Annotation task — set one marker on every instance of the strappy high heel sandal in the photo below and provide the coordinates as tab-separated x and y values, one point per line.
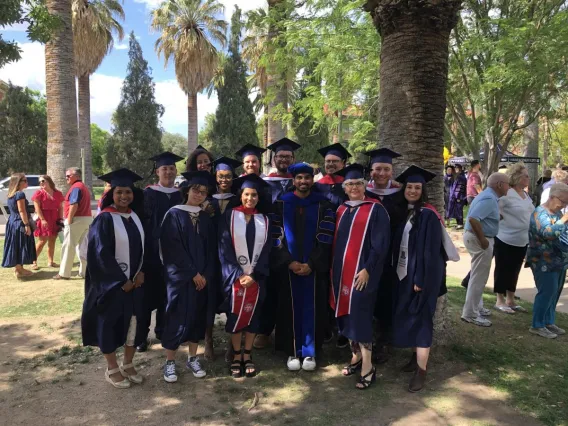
134	378
351	369
236	368
123	384
367	383
249	365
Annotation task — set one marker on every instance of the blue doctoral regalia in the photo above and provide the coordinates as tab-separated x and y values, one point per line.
231	271
186	251
156	205
414	311
358	324
306	228
107	309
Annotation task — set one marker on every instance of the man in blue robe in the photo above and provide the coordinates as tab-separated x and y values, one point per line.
158	199
302	255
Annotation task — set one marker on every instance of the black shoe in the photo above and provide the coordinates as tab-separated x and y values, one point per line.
342	342
328	336
418	380
143	347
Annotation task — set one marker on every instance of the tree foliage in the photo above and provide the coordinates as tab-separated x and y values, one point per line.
136	122
174	142
99	144
235	123
23	131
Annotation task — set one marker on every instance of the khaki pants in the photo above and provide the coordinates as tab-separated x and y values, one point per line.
72	236
480	267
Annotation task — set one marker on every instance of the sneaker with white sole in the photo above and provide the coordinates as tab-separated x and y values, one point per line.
484	312
480	321
293	364
556	330
170	374
309	364
543	332
195	366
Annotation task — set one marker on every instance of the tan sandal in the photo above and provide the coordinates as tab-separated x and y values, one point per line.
34	267
134	378
123	384
52	265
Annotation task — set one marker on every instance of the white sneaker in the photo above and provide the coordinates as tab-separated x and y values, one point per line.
309	364
195	366
556	330
293	363
170	374
484	312
480	321
543	332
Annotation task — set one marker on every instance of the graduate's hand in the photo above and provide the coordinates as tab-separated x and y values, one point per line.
295	267
246	281
361	279
417	289
199	281
305	270
139	279
128	286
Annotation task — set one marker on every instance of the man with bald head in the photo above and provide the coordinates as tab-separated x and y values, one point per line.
481	227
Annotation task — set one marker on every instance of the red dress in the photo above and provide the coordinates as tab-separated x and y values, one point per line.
49	205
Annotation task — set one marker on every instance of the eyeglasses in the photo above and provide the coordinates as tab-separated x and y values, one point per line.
284	157
354	184
198	192
332	161
68	176
221	177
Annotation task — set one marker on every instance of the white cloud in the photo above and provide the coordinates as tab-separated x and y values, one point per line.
105	91
121	46
245	5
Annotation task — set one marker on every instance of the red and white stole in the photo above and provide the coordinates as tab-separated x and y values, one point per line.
244	300
331	179
351	254
163	189
122	245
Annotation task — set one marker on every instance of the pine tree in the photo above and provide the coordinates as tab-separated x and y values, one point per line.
235	123
136	122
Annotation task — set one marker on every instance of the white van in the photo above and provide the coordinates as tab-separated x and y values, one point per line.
33	186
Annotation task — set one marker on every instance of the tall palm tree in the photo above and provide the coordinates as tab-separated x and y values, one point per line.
62	139
189	31
94	25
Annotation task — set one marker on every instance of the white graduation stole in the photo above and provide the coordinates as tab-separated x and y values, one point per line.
163	189
402	264
238	231
122	246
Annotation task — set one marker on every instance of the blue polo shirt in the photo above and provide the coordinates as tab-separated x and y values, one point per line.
485	209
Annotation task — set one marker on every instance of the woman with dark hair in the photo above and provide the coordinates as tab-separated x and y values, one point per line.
48	203
200	160
113	307
244	247
420	250
188	244
19	244
458	198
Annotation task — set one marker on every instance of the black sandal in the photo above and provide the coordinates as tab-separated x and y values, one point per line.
236	368
249	365
351	369
367	383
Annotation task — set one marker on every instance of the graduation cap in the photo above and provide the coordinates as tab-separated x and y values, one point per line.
250	149
250	181
353	171
201	147
166	159
415	174
121	177
226	163
336	149
284	144
296	169
382	155
199	178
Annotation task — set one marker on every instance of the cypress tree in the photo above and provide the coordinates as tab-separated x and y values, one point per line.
136	128
235	123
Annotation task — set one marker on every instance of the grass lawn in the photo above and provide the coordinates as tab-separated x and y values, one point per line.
528	372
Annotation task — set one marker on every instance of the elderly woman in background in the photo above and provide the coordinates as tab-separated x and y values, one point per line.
546	257
48	203
511	242
19	245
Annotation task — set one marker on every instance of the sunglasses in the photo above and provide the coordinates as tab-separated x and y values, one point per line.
67	176
23	180
41	181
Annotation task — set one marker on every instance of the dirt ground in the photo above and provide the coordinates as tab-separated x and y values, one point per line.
46	378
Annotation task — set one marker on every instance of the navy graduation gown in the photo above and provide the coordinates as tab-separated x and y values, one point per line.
186	251
358	324
334	193
278	186
107	310
156	205
414	311
306	236
231	271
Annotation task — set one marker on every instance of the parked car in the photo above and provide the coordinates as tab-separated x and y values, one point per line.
33	186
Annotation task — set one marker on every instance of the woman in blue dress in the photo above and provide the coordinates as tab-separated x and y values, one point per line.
113	306
420	252
244	248
19	244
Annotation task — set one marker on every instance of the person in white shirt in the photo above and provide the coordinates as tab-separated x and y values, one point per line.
558	176
511	242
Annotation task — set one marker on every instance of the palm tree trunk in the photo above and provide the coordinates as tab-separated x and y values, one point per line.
62	138
191	123
85	129
413	78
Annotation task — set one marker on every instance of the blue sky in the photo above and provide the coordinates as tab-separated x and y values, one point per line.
106	82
